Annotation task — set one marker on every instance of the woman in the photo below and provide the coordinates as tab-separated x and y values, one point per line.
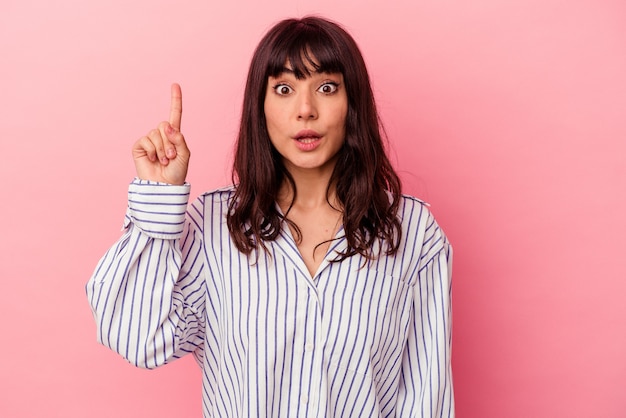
311	287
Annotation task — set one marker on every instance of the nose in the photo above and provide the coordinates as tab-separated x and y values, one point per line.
307	108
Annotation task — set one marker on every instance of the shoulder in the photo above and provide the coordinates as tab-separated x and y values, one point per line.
212	204
414	199
420	230
413	211
221	195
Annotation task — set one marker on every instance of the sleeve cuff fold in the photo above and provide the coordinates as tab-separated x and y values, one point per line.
157	209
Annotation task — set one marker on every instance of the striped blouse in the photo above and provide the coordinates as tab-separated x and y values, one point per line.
362	338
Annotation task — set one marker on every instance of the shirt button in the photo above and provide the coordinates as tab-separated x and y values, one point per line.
305	399
309	347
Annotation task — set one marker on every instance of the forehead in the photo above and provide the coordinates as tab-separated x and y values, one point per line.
305	60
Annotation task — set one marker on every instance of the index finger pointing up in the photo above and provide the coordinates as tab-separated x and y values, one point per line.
176	106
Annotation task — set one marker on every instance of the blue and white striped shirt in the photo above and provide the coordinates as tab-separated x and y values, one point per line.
362	338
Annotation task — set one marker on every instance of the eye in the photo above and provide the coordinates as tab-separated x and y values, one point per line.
282	89
328	88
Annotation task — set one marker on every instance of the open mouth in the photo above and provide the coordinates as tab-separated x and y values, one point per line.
308	139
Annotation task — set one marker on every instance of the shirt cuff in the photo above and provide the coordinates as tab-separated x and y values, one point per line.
157	209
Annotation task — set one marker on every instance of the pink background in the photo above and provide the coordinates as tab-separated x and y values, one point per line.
508	117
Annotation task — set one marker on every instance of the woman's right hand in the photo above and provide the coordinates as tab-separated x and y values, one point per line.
162	155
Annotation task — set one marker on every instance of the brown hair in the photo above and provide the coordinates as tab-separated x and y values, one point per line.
366	184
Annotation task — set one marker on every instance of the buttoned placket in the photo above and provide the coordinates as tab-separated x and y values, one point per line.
309	330
307	333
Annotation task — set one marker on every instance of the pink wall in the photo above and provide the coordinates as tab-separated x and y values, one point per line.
509	117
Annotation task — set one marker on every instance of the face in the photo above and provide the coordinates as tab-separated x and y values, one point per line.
306	119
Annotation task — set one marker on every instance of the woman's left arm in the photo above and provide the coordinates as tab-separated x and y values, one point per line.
426	377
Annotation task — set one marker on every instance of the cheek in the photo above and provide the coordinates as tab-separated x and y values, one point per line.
274	112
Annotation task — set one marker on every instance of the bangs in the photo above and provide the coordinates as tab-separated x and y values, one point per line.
306	49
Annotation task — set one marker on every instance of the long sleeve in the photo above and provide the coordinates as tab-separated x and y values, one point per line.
147	292
425	388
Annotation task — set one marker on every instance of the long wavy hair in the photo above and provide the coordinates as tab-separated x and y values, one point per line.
366	184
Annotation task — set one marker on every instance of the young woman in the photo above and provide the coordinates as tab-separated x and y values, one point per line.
311	287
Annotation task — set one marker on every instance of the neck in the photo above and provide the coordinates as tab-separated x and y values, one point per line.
313	190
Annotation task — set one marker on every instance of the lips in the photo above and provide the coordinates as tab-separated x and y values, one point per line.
307	136
307	140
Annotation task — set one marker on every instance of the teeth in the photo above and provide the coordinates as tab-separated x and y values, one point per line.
307	140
